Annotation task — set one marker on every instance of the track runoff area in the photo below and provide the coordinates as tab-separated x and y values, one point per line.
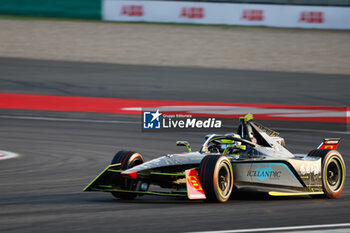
193	108
201	109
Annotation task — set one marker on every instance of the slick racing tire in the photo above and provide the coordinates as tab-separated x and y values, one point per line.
216	177
333	171
128	159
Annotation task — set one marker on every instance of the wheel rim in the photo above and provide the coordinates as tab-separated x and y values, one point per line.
135	163
334	174
224	180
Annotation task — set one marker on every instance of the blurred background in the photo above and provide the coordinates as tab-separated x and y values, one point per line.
223	46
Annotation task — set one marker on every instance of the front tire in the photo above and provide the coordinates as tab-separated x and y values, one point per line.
333	171
216	177
128	159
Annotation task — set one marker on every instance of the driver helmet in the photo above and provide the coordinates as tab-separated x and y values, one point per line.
228	142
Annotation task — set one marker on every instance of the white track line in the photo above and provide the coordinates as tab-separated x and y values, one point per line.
138	122
269	229
7	155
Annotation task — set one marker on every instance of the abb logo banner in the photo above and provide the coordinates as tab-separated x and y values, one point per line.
253	15
311	17
273	15
132	10
192	12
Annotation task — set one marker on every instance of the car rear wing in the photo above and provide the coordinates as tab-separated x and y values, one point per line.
329	143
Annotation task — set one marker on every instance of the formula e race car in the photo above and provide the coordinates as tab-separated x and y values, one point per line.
254	159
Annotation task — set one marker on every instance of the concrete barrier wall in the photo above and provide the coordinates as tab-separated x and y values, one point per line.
85	9
286	2
227	13
290	16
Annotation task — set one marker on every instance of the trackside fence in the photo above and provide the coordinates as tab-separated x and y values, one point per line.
323	17
196	12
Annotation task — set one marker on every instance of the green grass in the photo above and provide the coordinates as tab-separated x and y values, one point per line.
43	18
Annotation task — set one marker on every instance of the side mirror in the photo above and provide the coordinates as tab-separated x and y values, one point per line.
234	147
184	143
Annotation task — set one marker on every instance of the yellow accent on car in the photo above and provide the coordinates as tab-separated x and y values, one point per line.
227	141
167	174
105	186
241	147
142	192
184	143
281	194
247	118
112	170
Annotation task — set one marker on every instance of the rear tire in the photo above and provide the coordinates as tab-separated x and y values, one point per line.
333	171
128	159
216	177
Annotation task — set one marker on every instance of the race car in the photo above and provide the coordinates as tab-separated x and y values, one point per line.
253	159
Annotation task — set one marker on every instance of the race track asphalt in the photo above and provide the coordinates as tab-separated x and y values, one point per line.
41	191
172	83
